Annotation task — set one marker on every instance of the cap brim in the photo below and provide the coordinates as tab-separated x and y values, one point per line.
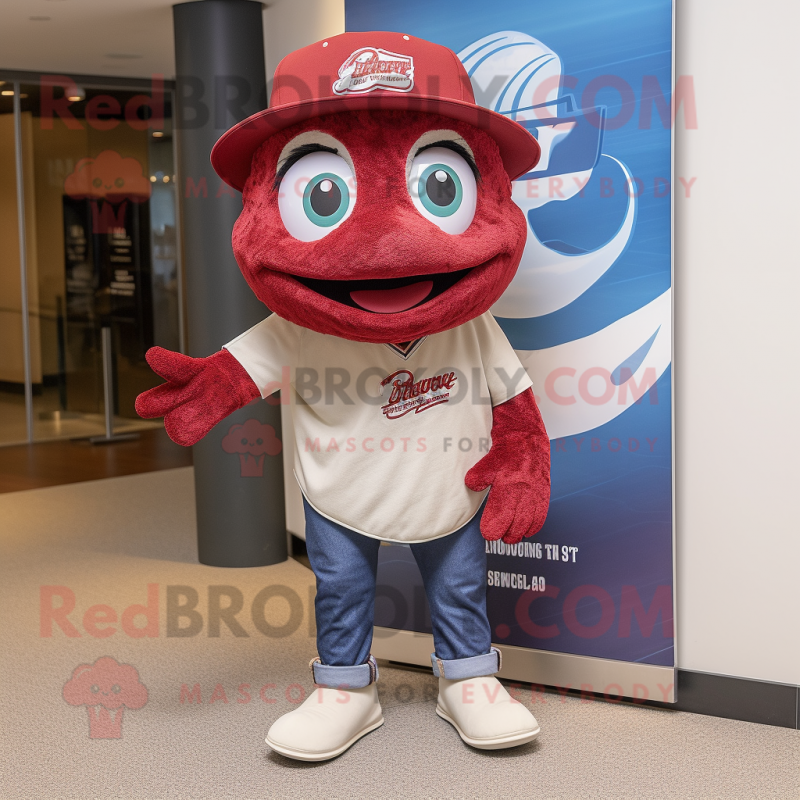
233	153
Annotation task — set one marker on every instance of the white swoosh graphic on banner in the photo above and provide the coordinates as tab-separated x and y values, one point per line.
547	280
572	379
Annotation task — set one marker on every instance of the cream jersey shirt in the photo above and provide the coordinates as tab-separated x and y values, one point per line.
386	433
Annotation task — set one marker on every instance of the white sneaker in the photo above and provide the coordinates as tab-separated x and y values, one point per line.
484	714
326	724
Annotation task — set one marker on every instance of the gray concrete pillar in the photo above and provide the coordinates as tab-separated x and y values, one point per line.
219	60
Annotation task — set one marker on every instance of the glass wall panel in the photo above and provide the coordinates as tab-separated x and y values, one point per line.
101	216
12	360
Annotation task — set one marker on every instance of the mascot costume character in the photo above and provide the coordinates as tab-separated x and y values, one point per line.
379	228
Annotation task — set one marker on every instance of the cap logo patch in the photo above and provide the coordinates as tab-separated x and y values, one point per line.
371	68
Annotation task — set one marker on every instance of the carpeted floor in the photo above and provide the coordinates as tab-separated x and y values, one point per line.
105	541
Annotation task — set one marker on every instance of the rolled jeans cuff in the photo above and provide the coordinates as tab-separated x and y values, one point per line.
473	667
356	677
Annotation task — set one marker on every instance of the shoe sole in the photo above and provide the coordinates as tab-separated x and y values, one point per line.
303	755
497	743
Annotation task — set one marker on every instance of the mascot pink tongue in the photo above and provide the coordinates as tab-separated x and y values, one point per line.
378	226
388	301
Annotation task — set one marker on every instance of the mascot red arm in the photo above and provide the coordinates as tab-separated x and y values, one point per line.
378	215
200	392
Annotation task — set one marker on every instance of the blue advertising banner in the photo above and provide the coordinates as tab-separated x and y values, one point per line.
589	314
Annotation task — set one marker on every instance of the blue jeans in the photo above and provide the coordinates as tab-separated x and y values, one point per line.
453	571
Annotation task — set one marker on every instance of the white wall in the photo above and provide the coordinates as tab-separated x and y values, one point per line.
292	24
736	362
131	38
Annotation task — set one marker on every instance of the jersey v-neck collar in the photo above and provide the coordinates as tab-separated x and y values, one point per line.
406	349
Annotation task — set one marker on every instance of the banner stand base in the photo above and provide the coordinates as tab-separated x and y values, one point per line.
603	676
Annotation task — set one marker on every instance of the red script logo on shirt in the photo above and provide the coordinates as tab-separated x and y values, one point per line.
408	395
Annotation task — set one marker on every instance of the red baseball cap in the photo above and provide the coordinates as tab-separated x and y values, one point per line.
373	70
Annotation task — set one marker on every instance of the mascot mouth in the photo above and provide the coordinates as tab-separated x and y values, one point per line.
380	310
385	296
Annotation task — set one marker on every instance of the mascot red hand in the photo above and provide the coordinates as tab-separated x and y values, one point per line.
199	393
517	468
379	228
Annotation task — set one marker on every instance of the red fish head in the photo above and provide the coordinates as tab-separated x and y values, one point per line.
379	226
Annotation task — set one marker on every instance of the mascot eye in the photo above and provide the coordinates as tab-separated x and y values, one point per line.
440	190
317	194
443	189
326	199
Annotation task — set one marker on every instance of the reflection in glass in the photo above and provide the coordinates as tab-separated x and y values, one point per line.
100	219
12	361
